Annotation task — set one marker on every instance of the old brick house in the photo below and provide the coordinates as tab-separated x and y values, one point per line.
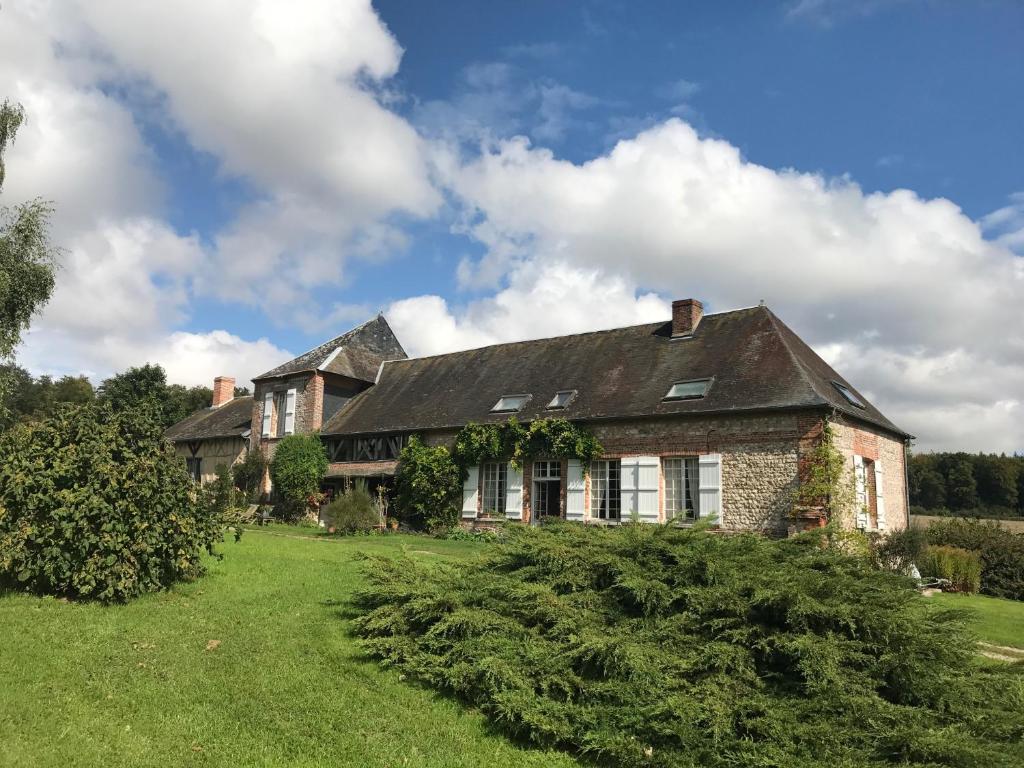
700	416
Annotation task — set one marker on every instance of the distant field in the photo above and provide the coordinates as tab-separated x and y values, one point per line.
923	521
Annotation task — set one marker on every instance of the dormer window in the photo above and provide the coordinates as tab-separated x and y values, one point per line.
851	398
688	390
510	403
561	399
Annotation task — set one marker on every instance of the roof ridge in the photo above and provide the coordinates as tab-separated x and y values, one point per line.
794	358
561	336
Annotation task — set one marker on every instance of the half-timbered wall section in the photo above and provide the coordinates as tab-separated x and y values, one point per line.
364	447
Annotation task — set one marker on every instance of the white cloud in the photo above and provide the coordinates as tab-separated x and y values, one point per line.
1006	224
540	300
890	277
285	99
289	102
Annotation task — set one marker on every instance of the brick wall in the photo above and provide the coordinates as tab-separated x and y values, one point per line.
853	438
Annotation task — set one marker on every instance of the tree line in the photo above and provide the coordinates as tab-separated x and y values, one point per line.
31	398
966	483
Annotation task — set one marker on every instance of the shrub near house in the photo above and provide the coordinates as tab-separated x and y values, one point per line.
94	504
659	646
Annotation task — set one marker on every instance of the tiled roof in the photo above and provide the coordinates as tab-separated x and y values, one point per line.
755	361
232	419
357	353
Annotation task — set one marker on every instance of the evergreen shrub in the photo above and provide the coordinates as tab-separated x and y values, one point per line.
659	646
94	504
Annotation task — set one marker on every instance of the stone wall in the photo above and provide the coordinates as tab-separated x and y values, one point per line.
760	459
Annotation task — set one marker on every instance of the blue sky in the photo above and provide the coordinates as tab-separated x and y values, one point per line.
491	171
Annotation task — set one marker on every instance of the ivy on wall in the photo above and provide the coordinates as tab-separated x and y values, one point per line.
555	438
825	483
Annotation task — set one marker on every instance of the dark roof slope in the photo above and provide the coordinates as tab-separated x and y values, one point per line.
755	360
230	420
357	353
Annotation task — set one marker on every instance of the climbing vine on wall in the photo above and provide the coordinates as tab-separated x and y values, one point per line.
555	438
825	481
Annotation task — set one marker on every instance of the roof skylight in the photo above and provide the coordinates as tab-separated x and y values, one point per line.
688	390
510	403
562	398
852	398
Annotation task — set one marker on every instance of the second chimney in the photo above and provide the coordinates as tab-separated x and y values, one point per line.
686	315
223	390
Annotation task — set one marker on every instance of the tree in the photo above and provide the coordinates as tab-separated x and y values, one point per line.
961	487
298	467
27	258
997	481
148	384
143	384
931	489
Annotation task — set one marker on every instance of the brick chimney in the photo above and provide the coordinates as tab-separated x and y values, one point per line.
686	314
223	390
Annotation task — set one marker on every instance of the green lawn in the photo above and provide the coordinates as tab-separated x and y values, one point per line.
996	621
135	685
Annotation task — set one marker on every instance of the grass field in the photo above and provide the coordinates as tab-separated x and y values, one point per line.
135	685
996	621
253	665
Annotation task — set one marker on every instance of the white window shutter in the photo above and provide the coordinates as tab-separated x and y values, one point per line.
861	497
879	491
514	493
639	480
289	413
470	492
575	491
628	474
648	481
268	415
709	486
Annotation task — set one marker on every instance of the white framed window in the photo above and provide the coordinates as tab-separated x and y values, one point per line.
495	483
561	399
280	412
510	403
682	488
605	490
688	390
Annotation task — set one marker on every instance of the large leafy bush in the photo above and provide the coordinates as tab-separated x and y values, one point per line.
428	485
297	469
1001	551
94	504
656	646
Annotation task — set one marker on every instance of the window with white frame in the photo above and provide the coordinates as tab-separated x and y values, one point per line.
510	403
495	477
280	411
605	489
682	488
